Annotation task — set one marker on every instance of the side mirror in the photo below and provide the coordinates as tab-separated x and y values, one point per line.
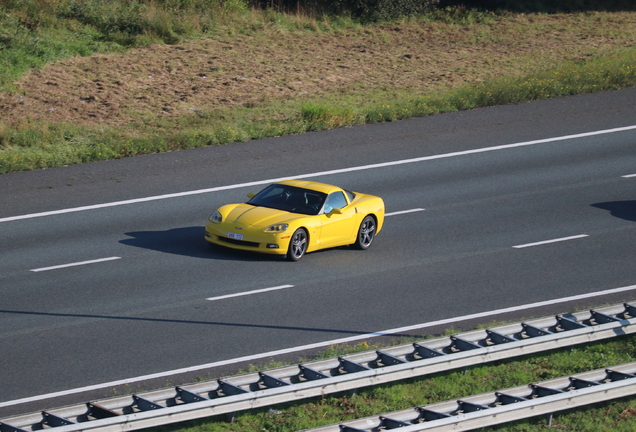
251	195
335	211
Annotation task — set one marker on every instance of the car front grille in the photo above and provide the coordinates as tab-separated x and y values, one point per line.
238	242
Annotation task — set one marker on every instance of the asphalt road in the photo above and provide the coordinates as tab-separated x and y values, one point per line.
489	209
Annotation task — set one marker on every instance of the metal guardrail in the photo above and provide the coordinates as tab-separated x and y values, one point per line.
320	377
490	409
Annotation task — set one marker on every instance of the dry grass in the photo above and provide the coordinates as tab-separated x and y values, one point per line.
269	63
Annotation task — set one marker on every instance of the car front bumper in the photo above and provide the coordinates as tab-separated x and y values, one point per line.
275	244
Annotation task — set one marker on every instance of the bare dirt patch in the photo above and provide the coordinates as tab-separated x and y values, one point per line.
177	80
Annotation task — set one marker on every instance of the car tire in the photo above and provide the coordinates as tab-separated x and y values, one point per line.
366	233
297	245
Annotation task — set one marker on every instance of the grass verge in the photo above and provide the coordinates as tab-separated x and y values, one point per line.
48	145
618	415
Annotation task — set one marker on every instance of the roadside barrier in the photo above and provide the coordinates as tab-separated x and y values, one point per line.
503	406
345	373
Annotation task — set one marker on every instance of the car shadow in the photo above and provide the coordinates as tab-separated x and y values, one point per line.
620	209
189	241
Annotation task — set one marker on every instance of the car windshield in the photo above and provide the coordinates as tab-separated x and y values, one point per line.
289	198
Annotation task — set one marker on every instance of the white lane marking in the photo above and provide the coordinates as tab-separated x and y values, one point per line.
249	292
550	241
75	264
316	174
404	212
629	175
319	345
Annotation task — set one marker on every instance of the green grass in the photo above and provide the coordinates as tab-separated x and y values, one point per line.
49	145
619	415
36	32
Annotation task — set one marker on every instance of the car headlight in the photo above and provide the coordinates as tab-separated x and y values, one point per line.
215	217
277	228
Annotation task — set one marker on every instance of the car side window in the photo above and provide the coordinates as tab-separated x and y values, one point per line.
335	200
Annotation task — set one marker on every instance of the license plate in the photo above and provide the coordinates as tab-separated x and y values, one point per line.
235	236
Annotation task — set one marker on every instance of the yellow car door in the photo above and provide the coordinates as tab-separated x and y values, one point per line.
338	221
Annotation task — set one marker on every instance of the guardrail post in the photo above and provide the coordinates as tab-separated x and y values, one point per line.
229	418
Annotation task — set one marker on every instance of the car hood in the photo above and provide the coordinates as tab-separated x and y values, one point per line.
260	217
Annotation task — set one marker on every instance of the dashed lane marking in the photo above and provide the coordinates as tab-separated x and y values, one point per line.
75	264
550	241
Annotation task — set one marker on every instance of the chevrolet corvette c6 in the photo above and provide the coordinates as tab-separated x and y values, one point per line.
293	217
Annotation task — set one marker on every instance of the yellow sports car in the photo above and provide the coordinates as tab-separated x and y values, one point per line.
293	217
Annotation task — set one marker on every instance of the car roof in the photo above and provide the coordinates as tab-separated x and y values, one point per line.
319	187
